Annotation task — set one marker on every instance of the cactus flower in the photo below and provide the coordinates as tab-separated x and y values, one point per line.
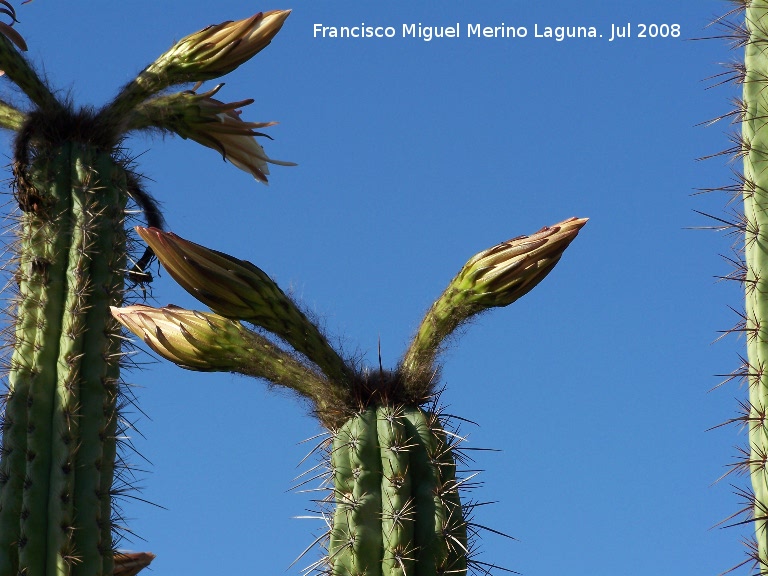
209	122
235	140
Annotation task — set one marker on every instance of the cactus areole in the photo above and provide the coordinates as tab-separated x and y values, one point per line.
59	463
393	504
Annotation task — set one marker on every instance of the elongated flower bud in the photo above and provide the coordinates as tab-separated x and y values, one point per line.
495	277
502	274
237	289
217	50
193	340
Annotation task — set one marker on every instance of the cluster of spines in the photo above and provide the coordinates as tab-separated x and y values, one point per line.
745	27
395	503
69	267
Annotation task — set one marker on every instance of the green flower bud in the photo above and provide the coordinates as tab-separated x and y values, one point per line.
217	50
193	340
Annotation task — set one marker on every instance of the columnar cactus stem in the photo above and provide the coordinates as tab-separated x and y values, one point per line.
397	505
61	416
61	424
751	112
755	152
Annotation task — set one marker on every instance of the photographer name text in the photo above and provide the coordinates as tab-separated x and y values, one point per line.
616	32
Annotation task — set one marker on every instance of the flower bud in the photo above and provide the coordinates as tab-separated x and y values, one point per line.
217	50
502	274
193	340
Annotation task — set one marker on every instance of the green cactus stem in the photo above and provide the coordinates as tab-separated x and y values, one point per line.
751	259
755	152
61	423
61	415
395	507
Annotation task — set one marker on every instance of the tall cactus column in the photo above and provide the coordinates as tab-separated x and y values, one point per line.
61	414
61	422
755	152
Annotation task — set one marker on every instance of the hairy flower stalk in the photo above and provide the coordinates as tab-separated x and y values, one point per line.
61	421
395	507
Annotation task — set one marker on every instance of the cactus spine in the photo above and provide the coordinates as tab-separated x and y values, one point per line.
60	422
393	507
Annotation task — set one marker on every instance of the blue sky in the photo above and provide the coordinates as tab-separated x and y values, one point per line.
413	156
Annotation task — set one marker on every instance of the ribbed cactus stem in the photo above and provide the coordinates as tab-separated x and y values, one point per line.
755	152
60	416
60	430
398	511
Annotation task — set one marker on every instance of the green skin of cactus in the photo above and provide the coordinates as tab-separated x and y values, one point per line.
755	136
59	439
397	508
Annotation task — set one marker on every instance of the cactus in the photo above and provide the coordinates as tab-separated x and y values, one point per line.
751	258
394	504
72	183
